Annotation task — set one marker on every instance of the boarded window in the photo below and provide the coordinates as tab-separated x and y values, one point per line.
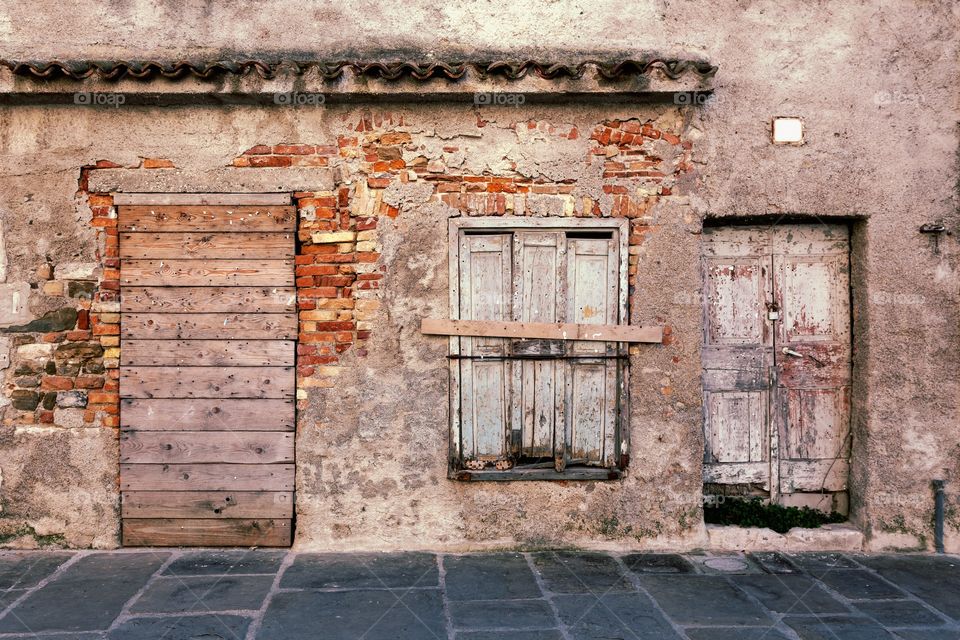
207	377
537	407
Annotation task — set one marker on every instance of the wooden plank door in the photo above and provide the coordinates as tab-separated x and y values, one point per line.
813	356
207	378
737	355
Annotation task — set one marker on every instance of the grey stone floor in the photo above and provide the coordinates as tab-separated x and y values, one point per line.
257	594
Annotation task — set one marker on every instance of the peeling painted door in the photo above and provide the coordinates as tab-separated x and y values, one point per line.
533	401
776	361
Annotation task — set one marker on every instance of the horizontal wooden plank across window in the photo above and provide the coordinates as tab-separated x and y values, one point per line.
552	331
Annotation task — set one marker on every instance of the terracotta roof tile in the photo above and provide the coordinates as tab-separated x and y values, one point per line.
394	70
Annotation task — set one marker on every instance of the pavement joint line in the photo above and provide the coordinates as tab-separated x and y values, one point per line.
955	624
814	582
257	622
399	600
244	613
215	575
44	582
246	551
634	579
853	612
598	598
780	625
444	596
548	596
777	618
200	599
349	589
125	611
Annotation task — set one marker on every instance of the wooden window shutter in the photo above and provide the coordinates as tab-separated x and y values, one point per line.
485	272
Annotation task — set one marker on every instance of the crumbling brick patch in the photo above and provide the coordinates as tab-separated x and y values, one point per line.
69	358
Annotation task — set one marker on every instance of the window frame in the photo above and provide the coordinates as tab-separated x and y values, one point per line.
621	229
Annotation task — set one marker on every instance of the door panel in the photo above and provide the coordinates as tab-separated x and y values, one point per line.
737	354
813	355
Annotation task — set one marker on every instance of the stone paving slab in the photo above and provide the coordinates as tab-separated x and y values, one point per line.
789	594
233	561
934	579
489	577
26	569
566	595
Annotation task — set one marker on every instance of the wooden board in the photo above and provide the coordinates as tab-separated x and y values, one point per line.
206	533
180	218
220	414
233	326
226	246
552	331
208	299
207	382
220	353
207	273
246	447
232	199
206	477
207	504
814	475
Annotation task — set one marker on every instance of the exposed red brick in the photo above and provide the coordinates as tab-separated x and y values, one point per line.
56	383
157	163
89	382
293	149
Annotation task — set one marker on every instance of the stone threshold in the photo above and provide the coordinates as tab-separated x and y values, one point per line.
829	537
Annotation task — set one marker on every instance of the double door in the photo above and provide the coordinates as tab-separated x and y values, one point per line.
777	361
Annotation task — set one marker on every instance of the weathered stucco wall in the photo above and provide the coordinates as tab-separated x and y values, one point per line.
876	84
